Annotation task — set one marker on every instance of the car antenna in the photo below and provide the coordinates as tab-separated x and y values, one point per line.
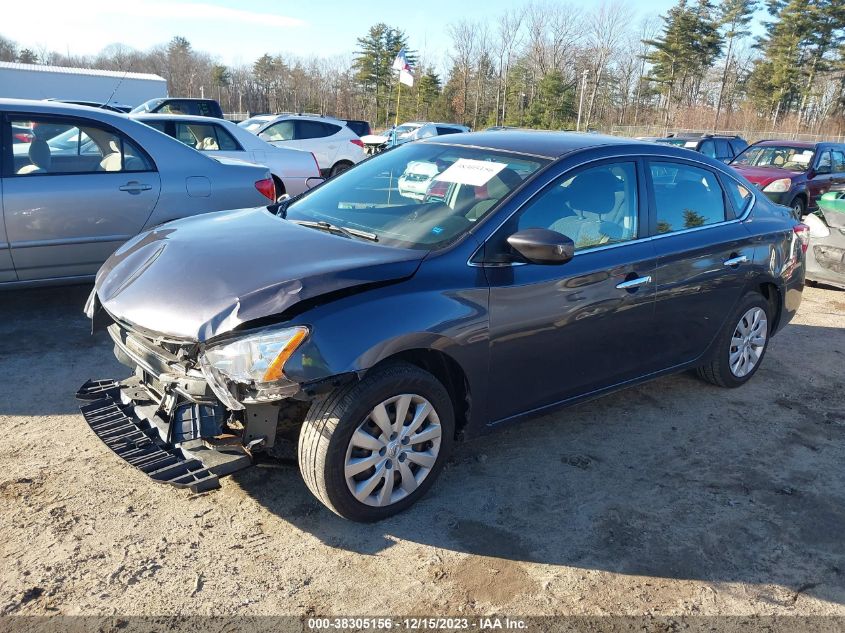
113	92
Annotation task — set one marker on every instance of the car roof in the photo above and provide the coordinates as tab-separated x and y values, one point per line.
536	142
57	107
804	144
159	116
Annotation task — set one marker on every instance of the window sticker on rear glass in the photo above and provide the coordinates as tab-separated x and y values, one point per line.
691	144
466	171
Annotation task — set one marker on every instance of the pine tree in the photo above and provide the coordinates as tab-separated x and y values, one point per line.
685	51
374	61
734	17
775	82
27	56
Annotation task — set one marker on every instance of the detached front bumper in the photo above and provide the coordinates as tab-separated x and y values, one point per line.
166	421
127	418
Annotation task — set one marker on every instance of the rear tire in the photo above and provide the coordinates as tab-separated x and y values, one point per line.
741	345
339	168
353	452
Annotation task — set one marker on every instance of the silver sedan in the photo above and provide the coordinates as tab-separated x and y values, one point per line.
88	180
292	169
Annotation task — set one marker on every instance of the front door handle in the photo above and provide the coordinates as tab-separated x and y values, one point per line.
135	187
634	283
736	261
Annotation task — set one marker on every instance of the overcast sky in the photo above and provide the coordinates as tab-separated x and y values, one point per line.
239	32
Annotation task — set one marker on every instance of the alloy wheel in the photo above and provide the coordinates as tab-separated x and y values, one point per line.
748	342
393	450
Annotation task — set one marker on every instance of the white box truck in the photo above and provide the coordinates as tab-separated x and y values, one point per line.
32	81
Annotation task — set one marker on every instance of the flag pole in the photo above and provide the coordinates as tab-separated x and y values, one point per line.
398	94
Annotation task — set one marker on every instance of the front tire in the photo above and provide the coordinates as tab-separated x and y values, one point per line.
741	345
799	208
371	449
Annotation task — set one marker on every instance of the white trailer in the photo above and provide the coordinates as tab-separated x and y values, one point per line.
32	81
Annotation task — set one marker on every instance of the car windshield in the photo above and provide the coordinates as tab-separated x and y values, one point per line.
147	106
783	156
420	196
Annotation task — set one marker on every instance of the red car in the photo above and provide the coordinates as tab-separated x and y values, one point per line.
793	173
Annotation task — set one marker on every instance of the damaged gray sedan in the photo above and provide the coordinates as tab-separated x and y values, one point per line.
373	324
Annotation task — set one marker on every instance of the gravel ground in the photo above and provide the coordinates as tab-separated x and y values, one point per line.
673	498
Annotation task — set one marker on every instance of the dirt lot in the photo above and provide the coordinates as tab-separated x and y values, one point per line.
671	498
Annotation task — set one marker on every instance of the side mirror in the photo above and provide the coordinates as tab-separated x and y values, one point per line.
314	181
543	246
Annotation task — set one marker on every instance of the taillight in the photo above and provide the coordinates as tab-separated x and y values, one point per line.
358	142
267	188
802	232
437	190
23	137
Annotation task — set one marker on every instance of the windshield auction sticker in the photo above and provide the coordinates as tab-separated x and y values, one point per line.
474	173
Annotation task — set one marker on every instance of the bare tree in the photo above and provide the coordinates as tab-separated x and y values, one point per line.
509	33
607	25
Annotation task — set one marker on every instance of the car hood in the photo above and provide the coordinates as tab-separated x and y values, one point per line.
762	176
197	278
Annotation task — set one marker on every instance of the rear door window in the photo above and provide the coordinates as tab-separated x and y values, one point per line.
314	129
206	137
686	197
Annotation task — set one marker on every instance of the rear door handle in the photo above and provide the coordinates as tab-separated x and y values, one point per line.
135	187
634	283
736	261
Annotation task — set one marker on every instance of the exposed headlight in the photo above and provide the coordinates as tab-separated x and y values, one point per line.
778	186
253	360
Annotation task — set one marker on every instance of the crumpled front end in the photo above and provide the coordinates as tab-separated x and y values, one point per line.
173	422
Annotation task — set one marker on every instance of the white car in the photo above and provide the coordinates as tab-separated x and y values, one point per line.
407	132
336	147
416	179
292	169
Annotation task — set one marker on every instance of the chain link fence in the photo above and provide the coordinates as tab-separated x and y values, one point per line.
749	135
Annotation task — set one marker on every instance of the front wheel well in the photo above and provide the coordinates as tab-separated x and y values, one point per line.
803	196
448	371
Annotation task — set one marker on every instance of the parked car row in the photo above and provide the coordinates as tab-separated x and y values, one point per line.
795	174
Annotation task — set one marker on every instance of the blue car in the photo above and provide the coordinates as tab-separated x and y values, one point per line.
376	328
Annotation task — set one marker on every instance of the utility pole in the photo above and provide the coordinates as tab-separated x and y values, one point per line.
581	100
